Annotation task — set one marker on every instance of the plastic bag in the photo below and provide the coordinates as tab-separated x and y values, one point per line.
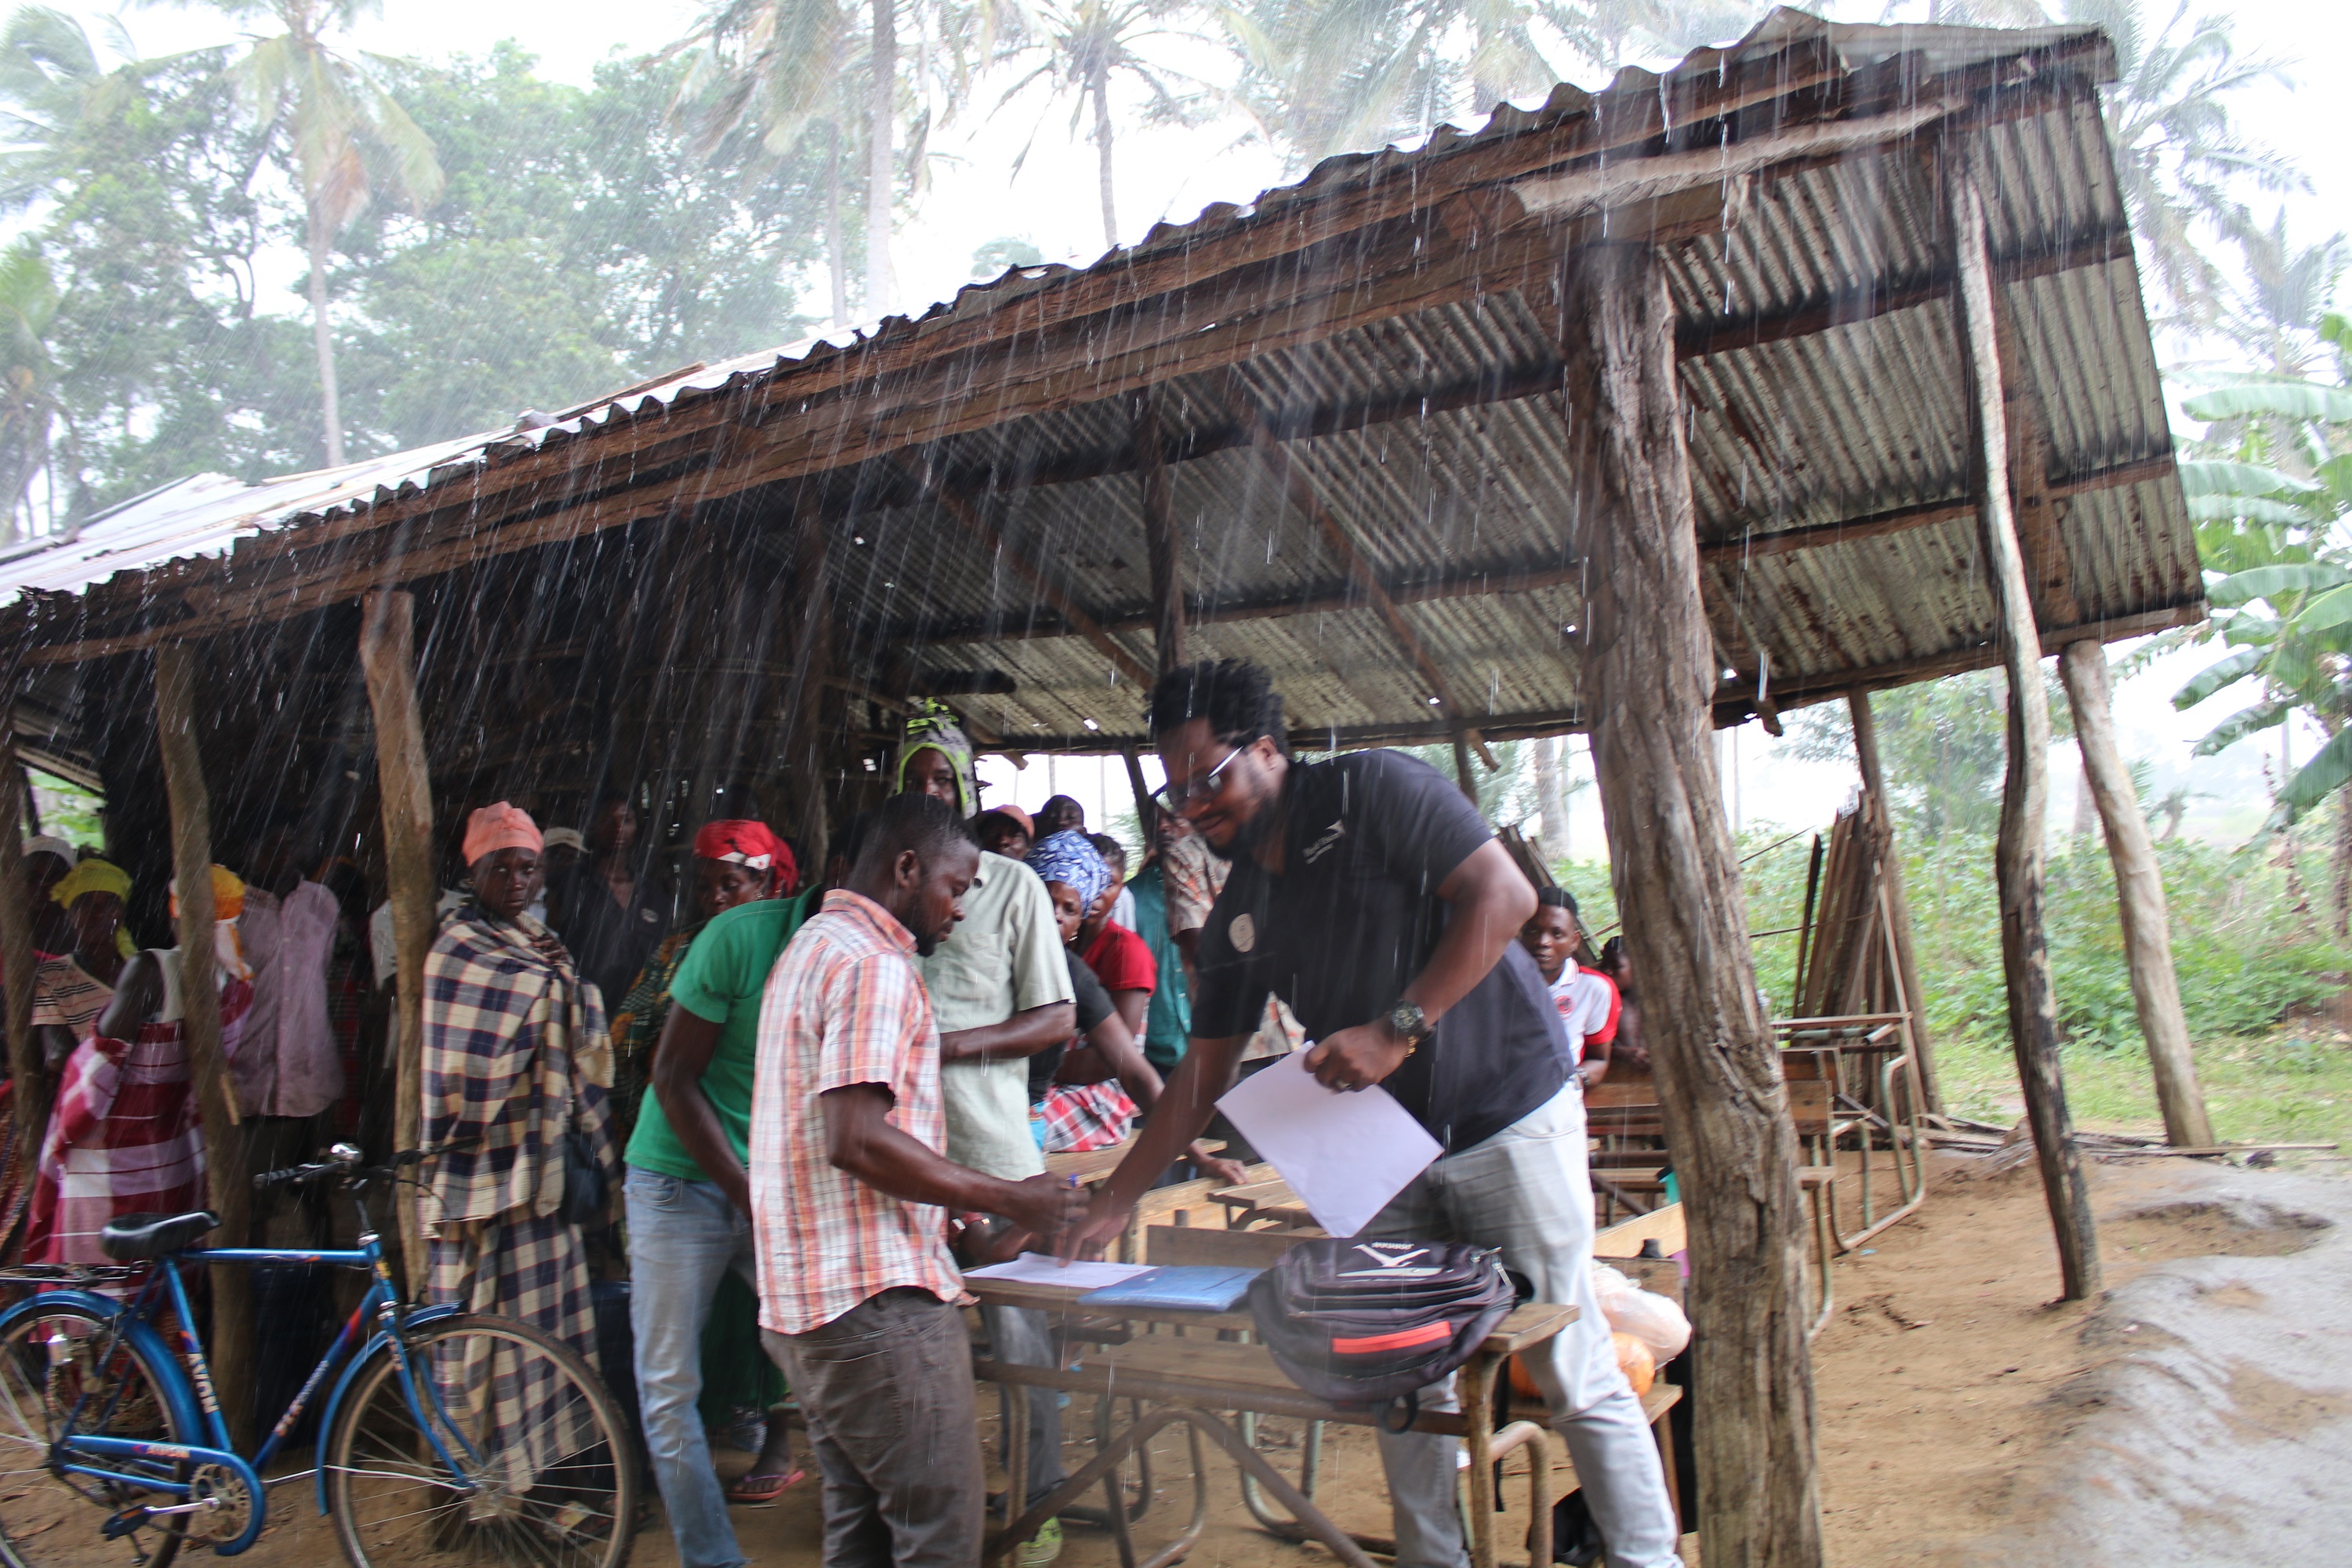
1635	1359
1649	1317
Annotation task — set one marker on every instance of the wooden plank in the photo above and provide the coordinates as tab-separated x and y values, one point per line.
2020	855
1664	1225
404	779
1898	906
1212	1246
231	1349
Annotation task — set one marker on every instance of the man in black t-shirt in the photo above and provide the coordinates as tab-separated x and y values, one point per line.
1370	896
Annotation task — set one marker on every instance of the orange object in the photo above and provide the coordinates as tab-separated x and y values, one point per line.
1523	1382
1635	1359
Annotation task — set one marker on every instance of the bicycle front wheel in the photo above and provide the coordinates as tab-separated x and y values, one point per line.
63	1371
504	1448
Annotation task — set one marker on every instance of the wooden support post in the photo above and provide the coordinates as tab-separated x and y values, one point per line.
1142	794
388	659
1462	773
1160	542
2139	897
28	1075
1898	908
812	667
1649	675
232	1350
2025	949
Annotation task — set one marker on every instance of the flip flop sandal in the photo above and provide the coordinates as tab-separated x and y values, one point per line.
757	1488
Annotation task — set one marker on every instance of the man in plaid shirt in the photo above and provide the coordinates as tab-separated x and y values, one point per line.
850	1192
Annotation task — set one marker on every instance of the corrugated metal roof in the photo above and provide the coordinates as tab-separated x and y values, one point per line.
1807	429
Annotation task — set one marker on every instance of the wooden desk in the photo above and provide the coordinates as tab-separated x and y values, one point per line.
1198	1380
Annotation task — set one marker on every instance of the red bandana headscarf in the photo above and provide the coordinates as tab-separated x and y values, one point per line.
741	842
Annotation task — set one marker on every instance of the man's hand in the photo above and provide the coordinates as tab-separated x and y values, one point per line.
1104	1218
1357	1057
1046	1205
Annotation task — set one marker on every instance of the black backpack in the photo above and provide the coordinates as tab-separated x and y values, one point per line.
1366	1322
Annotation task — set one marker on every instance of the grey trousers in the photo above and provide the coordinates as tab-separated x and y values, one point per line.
1526	1191
887	1393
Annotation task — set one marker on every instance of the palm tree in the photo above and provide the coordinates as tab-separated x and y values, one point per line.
780	71
333	111
1079	45
1330	76
30	410
2179	160
51	82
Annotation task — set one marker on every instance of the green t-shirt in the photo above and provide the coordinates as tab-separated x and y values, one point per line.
720	982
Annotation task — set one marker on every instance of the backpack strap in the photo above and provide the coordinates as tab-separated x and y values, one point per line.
1409	1402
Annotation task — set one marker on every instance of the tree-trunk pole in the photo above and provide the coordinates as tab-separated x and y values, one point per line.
322	338
28	1073
1463	776
2139	897
1898	906
881	172
232	1350
388	657
1648	675
1160	545
2025	797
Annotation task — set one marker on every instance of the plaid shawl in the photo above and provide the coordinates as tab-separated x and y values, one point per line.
515	1056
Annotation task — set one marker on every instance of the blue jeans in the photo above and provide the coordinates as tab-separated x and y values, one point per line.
683	1238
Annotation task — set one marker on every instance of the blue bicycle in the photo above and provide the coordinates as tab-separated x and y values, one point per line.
448	1436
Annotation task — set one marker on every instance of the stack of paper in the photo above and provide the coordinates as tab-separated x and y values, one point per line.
1345	1155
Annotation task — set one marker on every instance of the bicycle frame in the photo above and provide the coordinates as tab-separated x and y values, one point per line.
352	1349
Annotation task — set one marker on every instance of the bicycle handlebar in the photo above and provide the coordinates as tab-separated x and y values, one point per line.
346	1160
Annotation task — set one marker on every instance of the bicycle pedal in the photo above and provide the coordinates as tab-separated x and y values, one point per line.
119	1525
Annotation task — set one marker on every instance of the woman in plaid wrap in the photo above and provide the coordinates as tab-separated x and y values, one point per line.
516	1057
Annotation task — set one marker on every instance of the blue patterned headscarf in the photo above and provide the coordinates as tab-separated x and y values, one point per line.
1066	857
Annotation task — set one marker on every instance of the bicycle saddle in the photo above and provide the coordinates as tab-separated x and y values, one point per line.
131	1238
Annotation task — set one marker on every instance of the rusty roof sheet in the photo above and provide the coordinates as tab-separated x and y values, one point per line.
1819	429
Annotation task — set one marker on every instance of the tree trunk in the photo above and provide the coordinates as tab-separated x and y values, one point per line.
322	337
1101	92
1160	542
1462	773
1551	793
2342	895
232	1350
2139	897
882	108
2025	795
27	1072
1648	677
1898	905
836	243
388	654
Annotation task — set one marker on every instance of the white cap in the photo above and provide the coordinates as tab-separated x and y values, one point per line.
48	844
562	838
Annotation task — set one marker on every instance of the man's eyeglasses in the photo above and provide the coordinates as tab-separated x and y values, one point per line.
1177	794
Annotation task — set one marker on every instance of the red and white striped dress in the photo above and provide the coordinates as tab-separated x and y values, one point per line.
125	1137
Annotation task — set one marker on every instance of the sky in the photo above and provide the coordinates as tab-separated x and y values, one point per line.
1171	173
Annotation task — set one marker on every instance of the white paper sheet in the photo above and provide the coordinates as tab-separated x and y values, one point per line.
1345	1155
1042	1269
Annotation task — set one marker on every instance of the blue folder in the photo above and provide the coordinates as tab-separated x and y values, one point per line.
1194	1289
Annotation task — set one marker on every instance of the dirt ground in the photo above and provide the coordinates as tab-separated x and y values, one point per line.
1959	1407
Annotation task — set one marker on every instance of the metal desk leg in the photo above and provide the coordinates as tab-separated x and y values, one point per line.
1091	1473
1310	1460
1016	1445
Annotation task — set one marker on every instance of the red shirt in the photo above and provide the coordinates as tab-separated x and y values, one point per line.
1121	960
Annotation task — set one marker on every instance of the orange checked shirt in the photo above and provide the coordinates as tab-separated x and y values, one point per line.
843	1006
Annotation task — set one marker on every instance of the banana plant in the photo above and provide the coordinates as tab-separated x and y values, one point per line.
2283	603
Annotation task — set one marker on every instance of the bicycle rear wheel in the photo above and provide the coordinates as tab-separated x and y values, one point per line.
511	1451
64	1370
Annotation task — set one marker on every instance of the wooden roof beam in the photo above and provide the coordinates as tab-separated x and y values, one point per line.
1340	541
986	533
1904	519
